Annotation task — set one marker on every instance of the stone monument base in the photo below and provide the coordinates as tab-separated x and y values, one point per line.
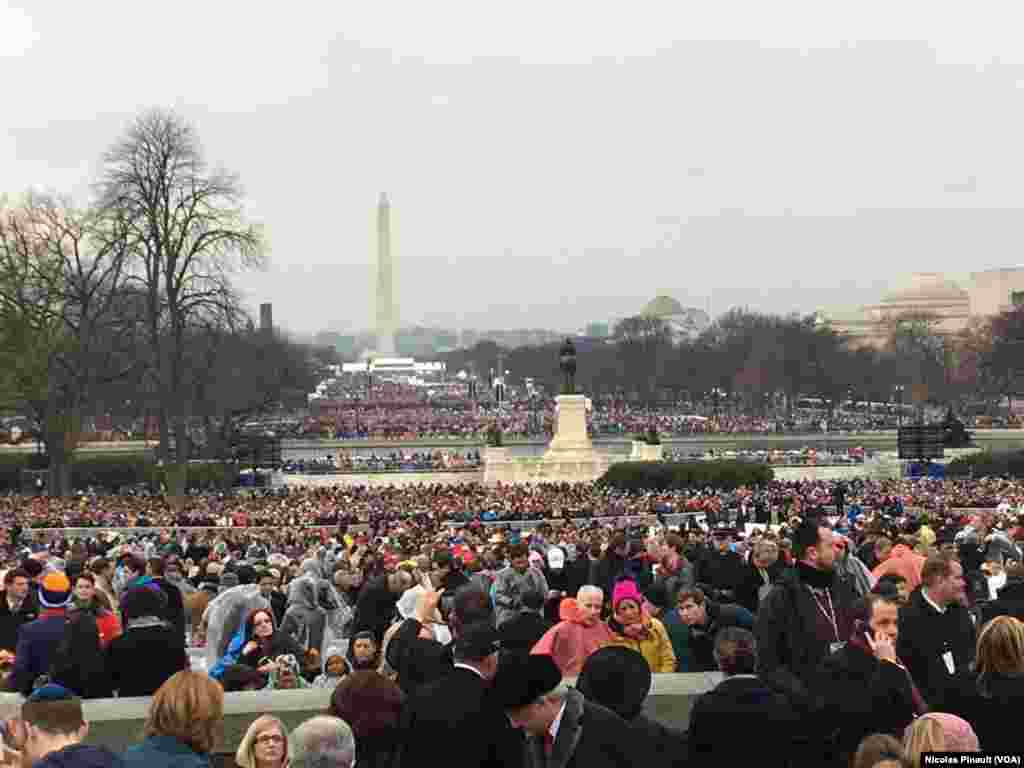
570	457
644	452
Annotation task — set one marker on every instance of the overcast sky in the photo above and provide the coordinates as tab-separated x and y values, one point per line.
552	163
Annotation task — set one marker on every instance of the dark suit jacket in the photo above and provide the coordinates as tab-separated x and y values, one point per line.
1009	602
742	722
140	660
590	736
986	706
862	695
521	632
667	747
458	711
925	635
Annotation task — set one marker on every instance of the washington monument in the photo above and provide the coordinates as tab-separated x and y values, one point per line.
387	323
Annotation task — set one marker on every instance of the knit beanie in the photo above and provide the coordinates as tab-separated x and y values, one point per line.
626	590
54	590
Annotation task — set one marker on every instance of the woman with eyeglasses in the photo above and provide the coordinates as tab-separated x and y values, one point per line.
265	744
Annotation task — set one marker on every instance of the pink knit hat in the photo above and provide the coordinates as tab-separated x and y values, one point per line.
626	590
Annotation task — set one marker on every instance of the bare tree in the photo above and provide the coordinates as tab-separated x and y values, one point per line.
68	324
189	235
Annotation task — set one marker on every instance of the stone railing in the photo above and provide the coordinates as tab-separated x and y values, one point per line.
119	723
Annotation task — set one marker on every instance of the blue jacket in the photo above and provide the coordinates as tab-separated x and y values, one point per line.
163	752
37	642
231	655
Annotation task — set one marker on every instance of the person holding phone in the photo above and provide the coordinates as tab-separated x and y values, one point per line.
864	688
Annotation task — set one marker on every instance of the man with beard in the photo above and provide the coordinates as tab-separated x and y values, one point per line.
806	615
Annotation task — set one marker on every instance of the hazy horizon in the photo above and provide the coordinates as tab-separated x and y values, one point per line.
550	166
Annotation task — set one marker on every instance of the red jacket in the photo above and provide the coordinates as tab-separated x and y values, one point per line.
108	625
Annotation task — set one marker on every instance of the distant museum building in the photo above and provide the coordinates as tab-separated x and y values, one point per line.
684	322
931	294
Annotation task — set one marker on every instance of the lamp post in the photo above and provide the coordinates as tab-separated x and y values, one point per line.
899	405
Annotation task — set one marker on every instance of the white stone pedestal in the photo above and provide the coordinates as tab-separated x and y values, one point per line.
571	441
644	452
570	457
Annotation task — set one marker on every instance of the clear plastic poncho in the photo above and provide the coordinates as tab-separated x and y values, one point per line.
226	613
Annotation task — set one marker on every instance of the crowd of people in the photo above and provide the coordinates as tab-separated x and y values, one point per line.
393	411
524	419
850	633
467	503
801	457
393	461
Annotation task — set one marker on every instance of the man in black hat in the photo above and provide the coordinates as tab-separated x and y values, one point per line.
460	710
563	729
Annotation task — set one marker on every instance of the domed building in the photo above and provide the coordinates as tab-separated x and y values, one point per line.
932	295
684	322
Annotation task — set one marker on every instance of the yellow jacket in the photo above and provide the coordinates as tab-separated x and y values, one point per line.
656	648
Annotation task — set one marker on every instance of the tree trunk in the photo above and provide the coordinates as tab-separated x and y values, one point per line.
164	448
59	477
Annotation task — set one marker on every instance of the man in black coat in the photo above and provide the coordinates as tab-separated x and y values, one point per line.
586	735
937	635
743	720
522	631
376	605
721	568
1009	600
420	660
174	608
806	615
17	607
864	688
148	652
459	710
